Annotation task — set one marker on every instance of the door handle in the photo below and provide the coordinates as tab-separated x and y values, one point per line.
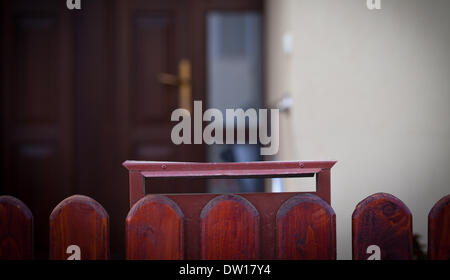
183	81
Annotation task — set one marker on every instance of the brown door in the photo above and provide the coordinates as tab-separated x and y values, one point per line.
152	43
80	94
37	110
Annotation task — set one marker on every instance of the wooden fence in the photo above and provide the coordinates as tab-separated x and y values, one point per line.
296	226
292	226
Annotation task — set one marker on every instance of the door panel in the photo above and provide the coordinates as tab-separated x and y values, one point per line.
153	45
152	48
152	39
36	78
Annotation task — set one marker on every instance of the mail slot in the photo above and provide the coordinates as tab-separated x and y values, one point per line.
288	225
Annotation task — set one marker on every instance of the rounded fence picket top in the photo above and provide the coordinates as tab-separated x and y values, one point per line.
382	229
439	230
16	229
79	229
306	229
155	229
229	229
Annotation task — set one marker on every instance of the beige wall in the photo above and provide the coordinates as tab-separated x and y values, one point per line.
371	89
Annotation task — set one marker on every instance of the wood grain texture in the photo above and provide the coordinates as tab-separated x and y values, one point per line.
383	220
306	229
267	205
256	169
155	229
16	229
79	220
229	229
439	230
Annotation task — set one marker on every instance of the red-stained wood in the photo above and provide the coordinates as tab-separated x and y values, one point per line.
229	229
79	220
155	230
323	185
137	187
138	170
267	205
271	167
306	229
439	230
16	229
384	221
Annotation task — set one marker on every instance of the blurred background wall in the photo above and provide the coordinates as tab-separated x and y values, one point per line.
369	88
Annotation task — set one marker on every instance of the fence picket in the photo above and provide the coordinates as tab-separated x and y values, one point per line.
382	229
439	230
16	229
229	229
155	229
79	229
306	229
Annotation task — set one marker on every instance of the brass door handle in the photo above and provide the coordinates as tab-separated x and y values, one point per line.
183	81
